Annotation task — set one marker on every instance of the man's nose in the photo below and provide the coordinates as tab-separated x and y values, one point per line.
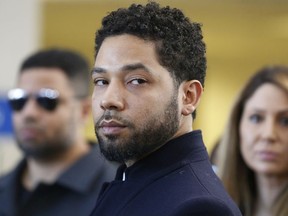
113	98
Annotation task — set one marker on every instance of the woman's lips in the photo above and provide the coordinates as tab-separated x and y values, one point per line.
268	155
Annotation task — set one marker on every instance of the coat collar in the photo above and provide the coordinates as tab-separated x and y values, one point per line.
183	149
9	185
80	177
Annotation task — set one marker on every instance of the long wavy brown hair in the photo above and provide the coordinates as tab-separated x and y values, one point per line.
237	177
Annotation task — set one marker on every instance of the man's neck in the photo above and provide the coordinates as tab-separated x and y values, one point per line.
48	171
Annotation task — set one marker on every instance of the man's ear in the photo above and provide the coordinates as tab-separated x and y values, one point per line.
86	108
192	91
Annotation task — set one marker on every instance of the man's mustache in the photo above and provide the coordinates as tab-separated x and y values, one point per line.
110	115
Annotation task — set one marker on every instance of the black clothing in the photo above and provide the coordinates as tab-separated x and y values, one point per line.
73	194
175	180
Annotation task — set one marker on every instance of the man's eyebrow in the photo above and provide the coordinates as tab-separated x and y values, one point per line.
97	70
127	68
137	66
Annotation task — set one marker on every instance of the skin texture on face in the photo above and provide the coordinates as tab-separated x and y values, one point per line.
263	131
135	105
41	134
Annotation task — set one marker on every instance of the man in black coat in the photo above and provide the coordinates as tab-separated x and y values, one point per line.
61	173
148	78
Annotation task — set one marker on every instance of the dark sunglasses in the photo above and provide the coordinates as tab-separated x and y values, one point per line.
47	99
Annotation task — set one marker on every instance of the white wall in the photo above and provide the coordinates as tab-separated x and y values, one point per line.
20	28
9	154
19	36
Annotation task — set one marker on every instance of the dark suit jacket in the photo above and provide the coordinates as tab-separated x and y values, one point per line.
73	194
175	180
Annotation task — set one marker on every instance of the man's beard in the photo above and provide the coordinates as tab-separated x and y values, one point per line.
48	149
47	152
158	129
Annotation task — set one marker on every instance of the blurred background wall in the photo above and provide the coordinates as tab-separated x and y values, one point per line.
241	37
20	34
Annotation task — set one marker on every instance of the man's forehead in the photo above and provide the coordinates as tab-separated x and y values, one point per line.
36	78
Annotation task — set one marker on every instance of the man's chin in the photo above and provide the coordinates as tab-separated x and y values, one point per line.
42	154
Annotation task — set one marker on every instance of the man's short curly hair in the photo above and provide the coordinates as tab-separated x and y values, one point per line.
178	41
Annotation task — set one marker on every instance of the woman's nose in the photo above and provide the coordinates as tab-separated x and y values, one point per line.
269	130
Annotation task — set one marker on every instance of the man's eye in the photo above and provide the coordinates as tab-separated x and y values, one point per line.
255	118
100	82
138	81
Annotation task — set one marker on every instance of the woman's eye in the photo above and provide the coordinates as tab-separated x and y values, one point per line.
256	118
138	81
100	82
284	121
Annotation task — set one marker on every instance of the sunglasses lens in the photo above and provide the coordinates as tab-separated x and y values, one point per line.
48	99
17	104
47	103
17	99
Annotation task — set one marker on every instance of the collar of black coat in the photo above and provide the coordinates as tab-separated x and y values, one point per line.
169	155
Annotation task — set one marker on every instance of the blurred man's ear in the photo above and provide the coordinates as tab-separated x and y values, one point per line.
86	108
192	91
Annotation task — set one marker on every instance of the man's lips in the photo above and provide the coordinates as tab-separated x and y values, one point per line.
111	127
29	133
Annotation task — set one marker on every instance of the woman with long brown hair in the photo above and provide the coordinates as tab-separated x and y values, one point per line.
253	153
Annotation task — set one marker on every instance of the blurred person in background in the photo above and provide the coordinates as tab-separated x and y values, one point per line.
61	173
213	155
253	154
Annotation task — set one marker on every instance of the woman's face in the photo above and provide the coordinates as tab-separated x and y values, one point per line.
264	131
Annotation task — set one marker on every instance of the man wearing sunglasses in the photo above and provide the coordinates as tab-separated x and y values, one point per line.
61	173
